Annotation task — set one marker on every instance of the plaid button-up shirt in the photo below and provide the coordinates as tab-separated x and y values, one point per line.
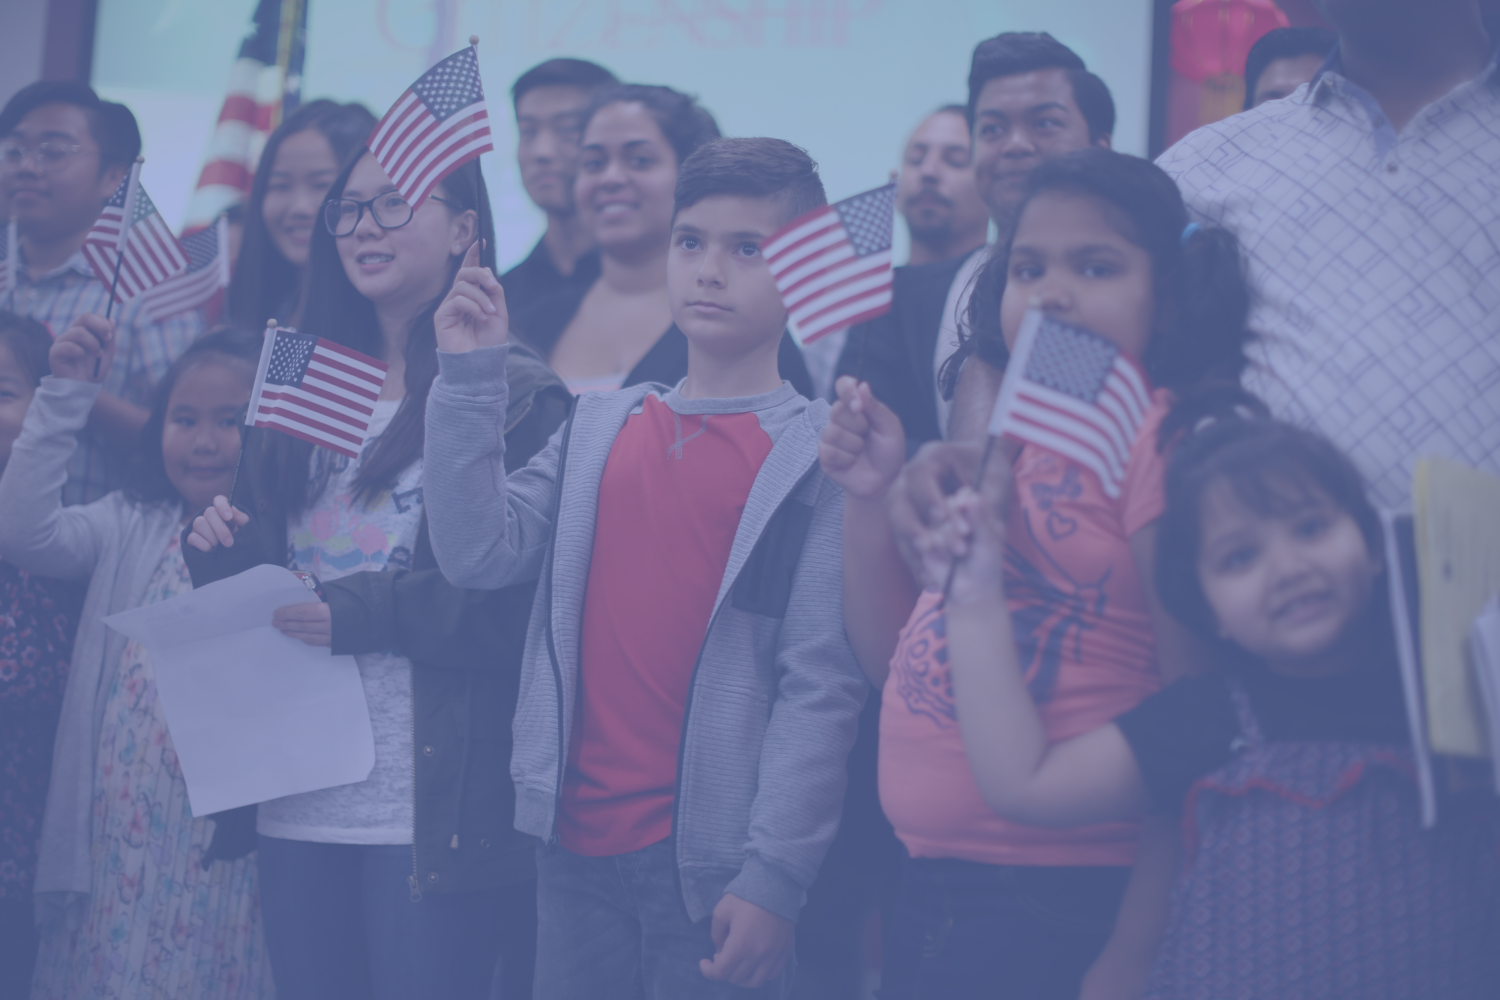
1375	258
145	350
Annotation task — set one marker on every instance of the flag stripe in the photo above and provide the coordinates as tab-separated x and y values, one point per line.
845	276
849	313
333	396
361	364
290	411
473	120
395	120
1087	433
1117	439
457	158
288	397
1069	448
787	264
311	438
333	371
813	222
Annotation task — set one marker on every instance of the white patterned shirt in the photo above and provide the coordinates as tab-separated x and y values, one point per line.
146	349
1375	260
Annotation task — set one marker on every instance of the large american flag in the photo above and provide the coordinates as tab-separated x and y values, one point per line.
264	85
1075	393
439	124
131	235
206	277
833	265
315	390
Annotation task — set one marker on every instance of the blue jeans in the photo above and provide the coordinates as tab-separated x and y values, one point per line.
965	931
616	928
341	925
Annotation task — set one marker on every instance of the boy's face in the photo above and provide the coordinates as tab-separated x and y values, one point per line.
721	292
62	191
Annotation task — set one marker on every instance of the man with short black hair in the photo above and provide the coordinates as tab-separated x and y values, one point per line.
1282	60
935	193
63	153
1031	98
549	100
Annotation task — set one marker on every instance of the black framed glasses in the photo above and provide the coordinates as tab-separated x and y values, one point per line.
390	211
48	155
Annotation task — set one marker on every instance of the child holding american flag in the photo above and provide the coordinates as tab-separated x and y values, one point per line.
1104	308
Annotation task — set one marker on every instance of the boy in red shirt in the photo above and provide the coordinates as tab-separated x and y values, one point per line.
689	696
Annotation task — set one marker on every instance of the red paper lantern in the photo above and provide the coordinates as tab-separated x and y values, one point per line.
1211	38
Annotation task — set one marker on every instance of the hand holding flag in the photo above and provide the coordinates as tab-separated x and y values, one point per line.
832	265
439	124
316	390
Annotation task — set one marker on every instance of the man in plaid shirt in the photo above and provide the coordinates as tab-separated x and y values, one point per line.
63	152
1368	206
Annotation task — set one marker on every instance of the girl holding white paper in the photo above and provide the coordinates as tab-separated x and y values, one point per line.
411	882
137	901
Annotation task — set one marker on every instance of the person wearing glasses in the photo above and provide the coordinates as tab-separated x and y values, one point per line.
414	881
63	152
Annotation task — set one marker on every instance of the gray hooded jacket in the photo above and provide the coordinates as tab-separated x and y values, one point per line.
775	696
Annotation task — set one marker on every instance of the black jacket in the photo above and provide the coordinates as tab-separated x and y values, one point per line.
543	323
465	647
537	278
894	352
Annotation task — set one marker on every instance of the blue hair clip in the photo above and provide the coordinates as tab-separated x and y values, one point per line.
1188	231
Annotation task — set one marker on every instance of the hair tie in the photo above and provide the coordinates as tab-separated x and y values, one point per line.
1188	231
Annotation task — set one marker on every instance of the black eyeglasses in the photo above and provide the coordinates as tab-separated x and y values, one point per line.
390	211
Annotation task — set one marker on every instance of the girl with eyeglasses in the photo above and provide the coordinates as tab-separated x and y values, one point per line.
411	882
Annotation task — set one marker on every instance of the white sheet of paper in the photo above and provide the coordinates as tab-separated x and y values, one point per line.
254	715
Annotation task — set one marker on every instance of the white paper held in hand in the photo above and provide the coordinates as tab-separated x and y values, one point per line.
254	715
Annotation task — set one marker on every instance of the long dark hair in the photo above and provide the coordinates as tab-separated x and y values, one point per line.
332	308
148	482
265	283
1201	293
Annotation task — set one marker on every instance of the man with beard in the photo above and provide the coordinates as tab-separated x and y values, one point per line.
936	195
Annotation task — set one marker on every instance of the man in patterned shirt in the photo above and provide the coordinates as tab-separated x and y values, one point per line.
63	152
1368	204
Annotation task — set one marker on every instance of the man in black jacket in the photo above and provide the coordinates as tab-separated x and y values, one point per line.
1030	99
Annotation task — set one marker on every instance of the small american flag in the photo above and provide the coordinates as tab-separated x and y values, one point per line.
439	124
315	390
1075	393
131	235
206	276
833	265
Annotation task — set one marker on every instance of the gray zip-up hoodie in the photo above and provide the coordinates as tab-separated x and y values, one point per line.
776	693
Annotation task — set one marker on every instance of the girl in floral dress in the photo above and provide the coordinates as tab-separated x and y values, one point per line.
132	899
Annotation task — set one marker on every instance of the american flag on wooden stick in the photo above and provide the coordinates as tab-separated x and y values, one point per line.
1075	393
439	124
131	235
833	265
206	277
315	390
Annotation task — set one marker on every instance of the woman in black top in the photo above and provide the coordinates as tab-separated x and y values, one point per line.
618	331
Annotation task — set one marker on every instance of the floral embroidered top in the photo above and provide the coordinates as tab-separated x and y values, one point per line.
37	619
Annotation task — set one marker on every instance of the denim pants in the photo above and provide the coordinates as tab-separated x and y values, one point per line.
616	928
964	930
340	924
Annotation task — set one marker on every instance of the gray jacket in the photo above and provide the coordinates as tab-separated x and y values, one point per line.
776	693
115	544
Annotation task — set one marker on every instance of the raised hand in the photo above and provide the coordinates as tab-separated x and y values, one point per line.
86	349
216	525
473	312
863	445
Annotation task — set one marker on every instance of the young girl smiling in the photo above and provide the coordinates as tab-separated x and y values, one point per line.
136	899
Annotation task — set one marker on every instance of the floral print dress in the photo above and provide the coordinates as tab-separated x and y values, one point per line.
158	924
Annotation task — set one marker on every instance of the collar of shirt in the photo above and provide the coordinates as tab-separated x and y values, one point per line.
77	263
1330	80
